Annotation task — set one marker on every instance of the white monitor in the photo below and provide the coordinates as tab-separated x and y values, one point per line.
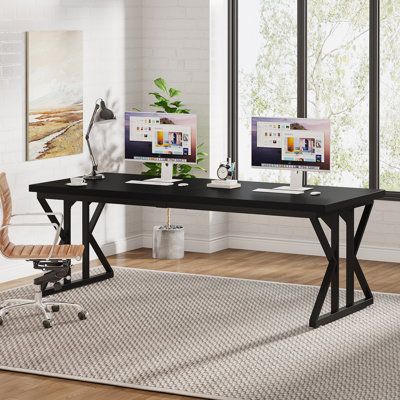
295	144
163	138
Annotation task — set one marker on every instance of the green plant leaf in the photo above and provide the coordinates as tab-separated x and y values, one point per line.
161	84
151	165
161	103
158	96
185	168
174	92
177	104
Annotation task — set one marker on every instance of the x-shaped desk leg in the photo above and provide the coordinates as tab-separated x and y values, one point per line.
88	240
331	277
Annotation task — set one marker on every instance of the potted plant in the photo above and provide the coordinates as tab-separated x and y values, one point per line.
168	239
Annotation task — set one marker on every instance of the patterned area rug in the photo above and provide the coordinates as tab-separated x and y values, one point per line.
209	337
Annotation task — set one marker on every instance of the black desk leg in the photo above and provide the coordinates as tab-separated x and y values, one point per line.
67	229
85	239
334	226
88	240
331	278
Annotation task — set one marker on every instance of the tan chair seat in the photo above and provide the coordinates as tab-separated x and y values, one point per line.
38	252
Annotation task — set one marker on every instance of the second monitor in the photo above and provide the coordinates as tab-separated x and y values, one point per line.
295	144
163	138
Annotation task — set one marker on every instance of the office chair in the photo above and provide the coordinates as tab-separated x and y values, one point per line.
54	260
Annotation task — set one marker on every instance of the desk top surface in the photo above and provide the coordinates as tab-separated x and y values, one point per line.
114	189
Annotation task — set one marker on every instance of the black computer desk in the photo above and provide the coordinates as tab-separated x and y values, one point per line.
334	203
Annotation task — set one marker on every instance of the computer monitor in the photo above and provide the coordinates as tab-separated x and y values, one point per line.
295	144
163	138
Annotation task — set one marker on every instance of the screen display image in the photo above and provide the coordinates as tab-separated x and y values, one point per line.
288	143
151	136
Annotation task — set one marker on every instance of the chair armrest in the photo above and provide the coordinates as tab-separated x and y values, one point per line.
56	237
56	214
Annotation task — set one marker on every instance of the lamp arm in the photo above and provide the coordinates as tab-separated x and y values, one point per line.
92	159
94	163
96	107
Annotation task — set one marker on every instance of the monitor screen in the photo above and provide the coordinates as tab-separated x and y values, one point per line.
290	143
151	136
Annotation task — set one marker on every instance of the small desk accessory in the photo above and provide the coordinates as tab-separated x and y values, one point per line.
101	114
78	181
225	173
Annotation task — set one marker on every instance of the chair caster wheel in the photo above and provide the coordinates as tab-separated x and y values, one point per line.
82	315
57	286
1	321
55	308
47	323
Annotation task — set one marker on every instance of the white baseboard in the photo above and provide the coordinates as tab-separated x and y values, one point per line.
121	246
313	248
11	270
196	245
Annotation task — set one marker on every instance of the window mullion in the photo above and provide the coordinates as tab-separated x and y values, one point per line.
233	81
302	64
374	94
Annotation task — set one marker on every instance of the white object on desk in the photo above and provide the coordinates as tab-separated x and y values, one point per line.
183	184
78	181
315	193
277	191
227	184
150	183
79	185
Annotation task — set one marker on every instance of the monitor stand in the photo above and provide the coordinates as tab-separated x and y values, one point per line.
166	174
296	183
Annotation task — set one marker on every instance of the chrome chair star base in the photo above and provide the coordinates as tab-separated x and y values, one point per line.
55	272
54	260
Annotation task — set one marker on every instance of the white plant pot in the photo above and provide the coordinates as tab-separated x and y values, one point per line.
168	242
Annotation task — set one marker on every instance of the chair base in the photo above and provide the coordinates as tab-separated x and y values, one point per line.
47	306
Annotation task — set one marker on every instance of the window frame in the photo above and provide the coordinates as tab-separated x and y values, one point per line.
374	85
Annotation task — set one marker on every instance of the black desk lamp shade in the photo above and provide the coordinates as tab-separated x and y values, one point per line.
101	114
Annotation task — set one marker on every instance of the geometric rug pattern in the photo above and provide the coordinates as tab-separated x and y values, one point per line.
209	337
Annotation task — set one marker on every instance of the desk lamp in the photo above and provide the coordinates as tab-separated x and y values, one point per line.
101	114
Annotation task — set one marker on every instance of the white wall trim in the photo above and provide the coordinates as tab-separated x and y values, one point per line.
20	269
15	269
121	246
249	242
196	245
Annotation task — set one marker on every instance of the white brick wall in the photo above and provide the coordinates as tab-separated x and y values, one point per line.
112	63
176	46
291	235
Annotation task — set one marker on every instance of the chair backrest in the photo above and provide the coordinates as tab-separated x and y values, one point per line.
6	206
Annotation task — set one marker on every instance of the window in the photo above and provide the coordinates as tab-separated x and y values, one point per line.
338	85
267	73
338	78
390	99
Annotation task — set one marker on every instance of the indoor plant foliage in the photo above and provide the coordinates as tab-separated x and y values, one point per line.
167	102
168	240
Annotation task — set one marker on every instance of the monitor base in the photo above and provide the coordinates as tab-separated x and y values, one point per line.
296	183
166	174
292	189
163	180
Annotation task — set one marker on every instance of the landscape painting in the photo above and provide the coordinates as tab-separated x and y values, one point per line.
54	94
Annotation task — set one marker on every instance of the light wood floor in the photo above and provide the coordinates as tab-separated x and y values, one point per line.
384	277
